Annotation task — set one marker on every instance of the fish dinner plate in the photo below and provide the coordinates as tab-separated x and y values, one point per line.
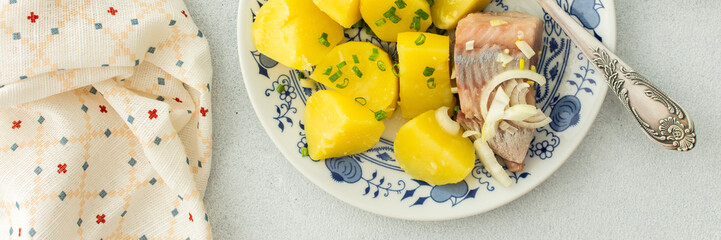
373	181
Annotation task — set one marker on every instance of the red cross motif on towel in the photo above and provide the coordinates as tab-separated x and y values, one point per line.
153	114
101	218
112	11
203	111
103	109
184	14
16	124
33	17
191	217
62	168
178	100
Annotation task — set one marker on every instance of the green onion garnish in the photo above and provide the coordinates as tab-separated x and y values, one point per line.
423	14
304	152
359	24
431	83
335	76
361	100
324	40
301	75
380	22
355	59
456	109
357	71
380	115
344	84
401	4
280	89
394	19
374	56
340	65
430	2
370	32
416	23
328	70
421	39
381	65
428	71
395	69
390	12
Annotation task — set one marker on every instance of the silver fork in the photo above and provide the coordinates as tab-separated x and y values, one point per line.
660	117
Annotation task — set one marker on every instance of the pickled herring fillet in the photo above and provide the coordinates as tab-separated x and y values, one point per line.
478	44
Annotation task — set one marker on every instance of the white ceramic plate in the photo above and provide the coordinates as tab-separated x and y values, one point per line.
373	181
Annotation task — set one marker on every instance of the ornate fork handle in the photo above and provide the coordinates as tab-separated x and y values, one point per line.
661	118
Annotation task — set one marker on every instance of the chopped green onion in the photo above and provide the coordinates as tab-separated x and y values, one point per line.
423	14
370	32
430	2
374	56
301	75
304	152
421	39
431	83
416	23
359	24
324	40
394	19
344	84
355	59
456	109
380	22
357	71
401	4
328	70
340	65
381	65
335	76
380	115
280	89
395	69
428	71
361	100
390	12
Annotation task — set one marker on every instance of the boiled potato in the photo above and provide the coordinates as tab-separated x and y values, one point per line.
337	126
388	18
295	32
447	13
428	153
425	82
345	12
370	81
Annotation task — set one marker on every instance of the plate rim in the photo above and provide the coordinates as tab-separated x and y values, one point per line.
317	181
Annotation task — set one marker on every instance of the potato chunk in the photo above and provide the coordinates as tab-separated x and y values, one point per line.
363	72
337	126
425	82
428	153
388	18
447	13
345	12
295	32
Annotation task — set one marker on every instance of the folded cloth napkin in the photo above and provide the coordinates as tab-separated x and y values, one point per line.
105	120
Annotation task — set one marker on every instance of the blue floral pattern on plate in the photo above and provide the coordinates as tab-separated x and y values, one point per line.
374	174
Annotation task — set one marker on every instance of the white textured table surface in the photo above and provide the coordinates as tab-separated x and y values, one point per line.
617	183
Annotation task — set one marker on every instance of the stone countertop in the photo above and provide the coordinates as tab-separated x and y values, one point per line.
617	184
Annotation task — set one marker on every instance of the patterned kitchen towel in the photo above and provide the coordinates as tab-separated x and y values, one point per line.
105	120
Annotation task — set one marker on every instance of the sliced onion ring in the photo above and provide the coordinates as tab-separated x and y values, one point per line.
505	76
495	114
470	133
520	112
445	121
489	161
